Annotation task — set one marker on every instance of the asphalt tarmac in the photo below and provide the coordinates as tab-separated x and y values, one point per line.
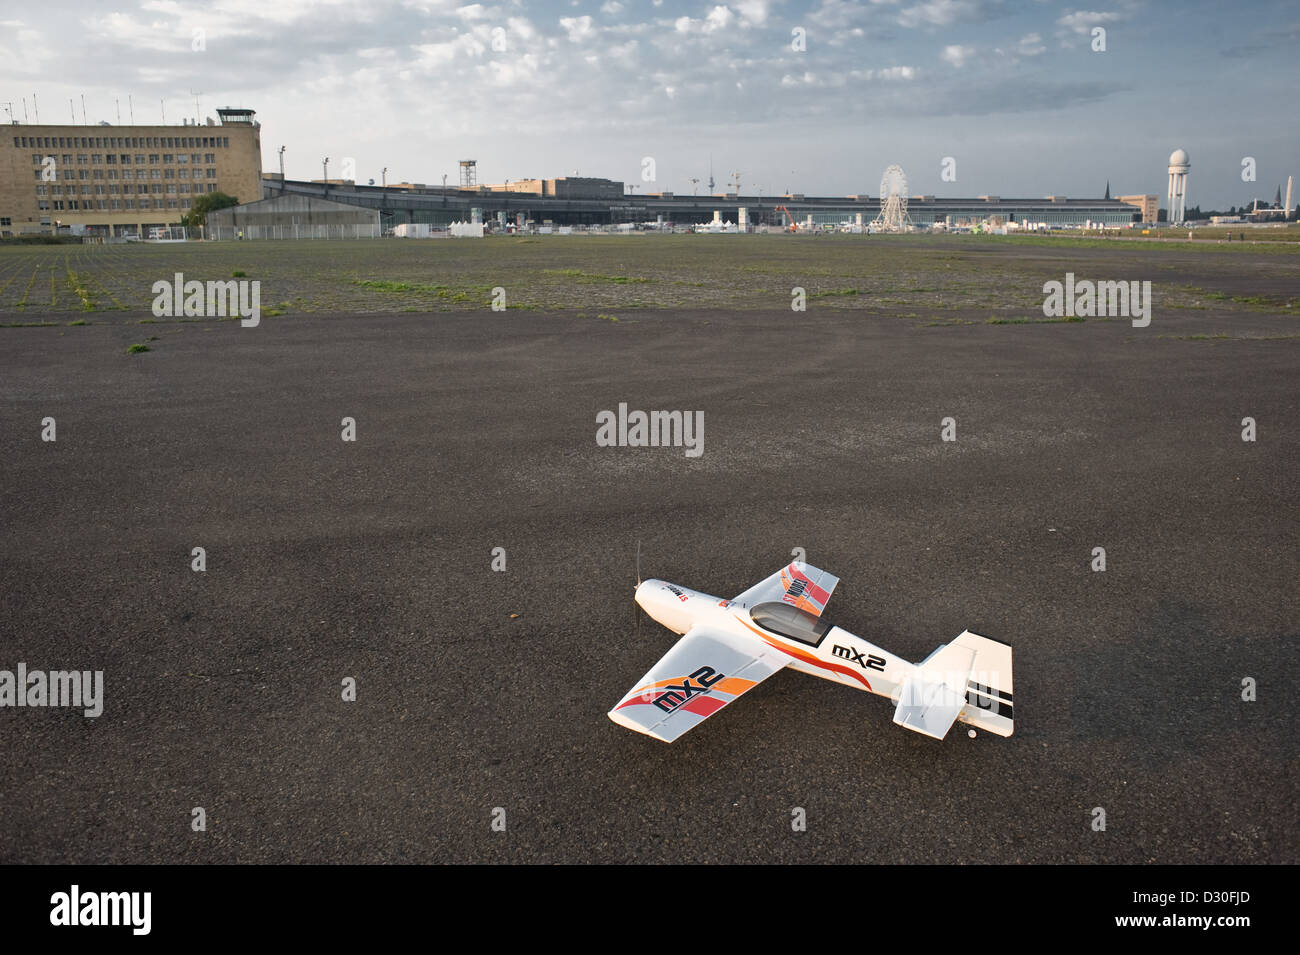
480	690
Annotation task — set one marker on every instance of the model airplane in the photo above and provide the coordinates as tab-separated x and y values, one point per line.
730	646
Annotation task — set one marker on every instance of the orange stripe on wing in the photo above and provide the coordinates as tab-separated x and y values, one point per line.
734	685
808	658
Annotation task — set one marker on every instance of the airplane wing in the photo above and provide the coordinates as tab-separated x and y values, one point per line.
799	584
704	671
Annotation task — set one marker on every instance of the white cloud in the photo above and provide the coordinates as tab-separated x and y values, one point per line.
578	28
752	12
957	55
937	13
611	7
719	18
1082	21
1031	44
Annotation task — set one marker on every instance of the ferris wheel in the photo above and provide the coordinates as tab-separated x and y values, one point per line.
893	215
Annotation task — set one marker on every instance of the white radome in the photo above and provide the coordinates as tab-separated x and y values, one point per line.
1179	158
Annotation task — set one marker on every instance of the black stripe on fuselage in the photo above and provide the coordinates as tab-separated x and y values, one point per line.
989	704
991	691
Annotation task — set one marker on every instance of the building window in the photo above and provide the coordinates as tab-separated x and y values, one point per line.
168	159
210	158
155	173
112	174
169	173
97	159
4	220
82	159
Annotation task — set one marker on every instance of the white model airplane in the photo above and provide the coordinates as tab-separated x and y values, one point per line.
730	646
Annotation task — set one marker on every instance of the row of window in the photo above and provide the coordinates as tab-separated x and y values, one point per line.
124	159
41	175
72	205
113	189
121	142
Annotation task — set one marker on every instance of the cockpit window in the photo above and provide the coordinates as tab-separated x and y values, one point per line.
790	622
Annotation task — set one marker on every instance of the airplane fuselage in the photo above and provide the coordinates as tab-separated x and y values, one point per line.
812	645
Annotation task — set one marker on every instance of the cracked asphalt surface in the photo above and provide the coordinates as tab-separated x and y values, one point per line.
479	689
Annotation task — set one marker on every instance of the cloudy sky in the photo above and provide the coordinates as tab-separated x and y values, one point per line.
1012	90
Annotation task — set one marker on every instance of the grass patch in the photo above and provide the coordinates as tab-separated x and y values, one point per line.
608	318
238	274
137	348
391	285
595	278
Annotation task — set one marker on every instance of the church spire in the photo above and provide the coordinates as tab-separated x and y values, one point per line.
1107	188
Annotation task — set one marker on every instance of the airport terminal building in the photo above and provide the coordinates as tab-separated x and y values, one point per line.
132	180
602	202
124	180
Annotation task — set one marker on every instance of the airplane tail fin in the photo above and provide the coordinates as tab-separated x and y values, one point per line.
968	679
988	691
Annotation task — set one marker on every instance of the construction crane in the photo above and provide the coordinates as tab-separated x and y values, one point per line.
792	227
694	186
736	176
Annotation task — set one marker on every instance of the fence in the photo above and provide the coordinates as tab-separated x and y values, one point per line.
339	231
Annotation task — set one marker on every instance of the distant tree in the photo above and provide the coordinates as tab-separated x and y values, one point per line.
198	214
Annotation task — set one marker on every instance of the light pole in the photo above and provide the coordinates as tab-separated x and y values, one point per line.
281	170
325	167
384	173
